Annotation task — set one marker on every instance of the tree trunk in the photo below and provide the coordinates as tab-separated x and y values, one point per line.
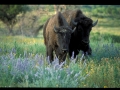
10	28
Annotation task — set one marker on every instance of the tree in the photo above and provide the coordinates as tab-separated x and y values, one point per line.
8	15
59	8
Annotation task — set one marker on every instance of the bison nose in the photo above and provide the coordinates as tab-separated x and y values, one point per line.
85	41
64	50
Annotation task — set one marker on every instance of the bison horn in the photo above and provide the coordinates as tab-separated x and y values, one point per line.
95	23
56	29
73	22
74	29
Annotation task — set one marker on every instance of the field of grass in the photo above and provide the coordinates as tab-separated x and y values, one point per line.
23	62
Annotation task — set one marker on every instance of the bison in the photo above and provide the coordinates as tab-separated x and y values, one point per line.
80	38
57	34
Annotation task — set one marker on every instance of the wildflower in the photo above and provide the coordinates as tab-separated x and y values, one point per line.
14	54
76	75
86	72
26	77
36	75
0	49
33	55
37	66
72	57
105	86
57	85
84	85
66	66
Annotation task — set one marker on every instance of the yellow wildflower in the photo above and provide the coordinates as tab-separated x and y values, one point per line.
105	86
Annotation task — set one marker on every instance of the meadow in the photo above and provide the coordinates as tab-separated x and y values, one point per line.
23	62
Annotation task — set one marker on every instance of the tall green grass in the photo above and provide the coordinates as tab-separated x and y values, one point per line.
20	44
23	64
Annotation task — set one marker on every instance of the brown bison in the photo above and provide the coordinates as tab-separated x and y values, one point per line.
57	34
80	38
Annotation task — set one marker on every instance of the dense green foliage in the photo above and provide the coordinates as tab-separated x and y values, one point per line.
8	14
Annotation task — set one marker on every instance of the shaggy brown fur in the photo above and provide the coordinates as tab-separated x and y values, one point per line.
57	34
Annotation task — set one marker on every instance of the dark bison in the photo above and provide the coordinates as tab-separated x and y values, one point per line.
80	38
57	34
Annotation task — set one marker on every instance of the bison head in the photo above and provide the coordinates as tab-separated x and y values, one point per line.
63	39
82	32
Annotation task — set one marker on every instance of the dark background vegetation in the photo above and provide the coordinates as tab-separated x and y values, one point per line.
28	20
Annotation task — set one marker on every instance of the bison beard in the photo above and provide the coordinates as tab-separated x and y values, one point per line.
86	49
62	57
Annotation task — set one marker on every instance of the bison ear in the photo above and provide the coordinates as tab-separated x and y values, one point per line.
56	29
95	23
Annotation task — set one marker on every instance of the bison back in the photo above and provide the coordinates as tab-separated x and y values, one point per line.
71	15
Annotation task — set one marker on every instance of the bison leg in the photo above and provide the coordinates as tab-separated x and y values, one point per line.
73	53
57	52
50	54
88	52
70	53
